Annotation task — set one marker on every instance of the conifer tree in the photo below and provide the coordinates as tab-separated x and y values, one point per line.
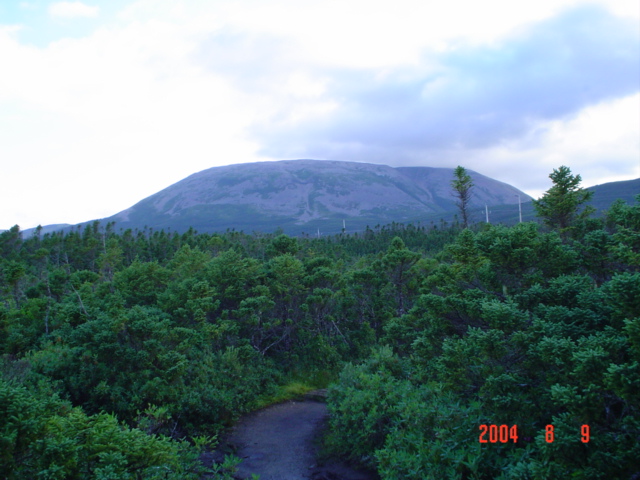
462	186
559	207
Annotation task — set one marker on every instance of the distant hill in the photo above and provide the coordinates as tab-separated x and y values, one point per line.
306	195
603	196
55	227
52	228
607	193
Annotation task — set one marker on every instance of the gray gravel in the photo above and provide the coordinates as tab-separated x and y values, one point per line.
277	443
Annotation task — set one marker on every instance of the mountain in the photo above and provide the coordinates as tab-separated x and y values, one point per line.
53	228
301	196
604	195
306	195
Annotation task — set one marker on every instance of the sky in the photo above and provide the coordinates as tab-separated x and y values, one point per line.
103	103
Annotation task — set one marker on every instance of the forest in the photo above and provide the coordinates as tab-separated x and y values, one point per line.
485	352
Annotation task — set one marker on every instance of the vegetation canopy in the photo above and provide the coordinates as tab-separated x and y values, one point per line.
125	354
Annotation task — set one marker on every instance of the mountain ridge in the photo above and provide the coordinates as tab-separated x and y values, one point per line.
299	196
295	194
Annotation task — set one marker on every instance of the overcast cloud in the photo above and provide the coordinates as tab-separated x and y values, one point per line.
472	97
103	103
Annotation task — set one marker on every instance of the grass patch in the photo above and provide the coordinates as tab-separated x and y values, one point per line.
283	393
293	389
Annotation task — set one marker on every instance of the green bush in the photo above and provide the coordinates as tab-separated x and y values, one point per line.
43	437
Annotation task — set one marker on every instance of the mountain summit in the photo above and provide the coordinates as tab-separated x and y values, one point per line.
303	195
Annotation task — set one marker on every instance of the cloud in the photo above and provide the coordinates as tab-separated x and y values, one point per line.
468	97
72	10
96	115
94	124
601	143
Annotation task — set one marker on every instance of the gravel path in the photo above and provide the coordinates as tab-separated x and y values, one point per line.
277	443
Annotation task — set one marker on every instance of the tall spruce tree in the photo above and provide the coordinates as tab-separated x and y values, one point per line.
559	207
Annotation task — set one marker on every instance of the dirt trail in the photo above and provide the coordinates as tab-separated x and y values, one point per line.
278	443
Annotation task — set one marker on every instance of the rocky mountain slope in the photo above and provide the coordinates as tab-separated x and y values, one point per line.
306	195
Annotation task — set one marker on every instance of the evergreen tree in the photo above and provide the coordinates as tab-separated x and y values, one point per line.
462	186
559	206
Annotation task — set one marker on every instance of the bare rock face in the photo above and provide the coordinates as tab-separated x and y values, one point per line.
299	194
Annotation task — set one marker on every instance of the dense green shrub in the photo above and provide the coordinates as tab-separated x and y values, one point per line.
42	436
147	333
513	327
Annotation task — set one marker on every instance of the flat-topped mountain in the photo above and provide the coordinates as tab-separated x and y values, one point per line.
303	195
